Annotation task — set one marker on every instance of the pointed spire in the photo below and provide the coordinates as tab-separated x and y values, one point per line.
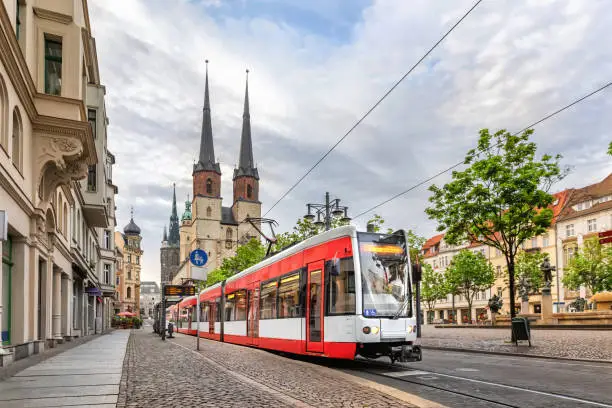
206	160
174	238
165	237
246	164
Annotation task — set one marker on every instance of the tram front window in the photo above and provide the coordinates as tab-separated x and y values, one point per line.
384	275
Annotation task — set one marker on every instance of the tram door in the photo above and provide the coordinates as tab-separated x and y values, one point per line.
314	307
212	313
253	314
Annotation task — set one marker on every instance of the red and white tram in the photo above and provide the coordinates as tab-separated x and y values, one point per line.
339	294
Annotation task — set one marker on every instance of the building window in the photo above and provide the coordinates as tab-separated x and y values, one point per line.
569	254
107	239
91	178
4	115
592	225
7	265
53	66
107	274
17	139
91	117
228	234
534	242
65	220
137	260
499	271
208	213
129	293
569	230
545	242
249	191
209	186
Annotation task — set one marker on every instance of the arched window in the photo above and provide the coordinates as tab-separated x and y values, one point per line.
208	211
129	292
209	185
3	115
228	234
17	139
65	219
58	212
249	191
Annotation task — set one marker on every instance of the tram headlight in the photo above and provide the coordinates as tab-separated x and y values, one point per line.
409	329
375	330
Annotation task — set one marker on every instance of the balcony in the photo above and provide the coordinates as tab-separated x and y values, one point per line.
95	215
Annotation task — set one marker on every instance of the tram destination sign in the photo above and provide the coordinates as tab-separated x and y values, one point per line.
179	290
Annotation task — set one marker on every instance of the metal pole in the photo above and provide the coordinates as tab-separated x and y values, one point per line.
418	308
162	325
198	328
327	215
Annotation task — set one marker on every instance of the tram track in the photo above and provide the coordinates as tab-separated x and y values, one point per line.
406	374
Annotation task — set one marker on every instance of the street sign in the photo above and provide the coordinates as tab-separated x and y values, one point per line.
178	290
198	257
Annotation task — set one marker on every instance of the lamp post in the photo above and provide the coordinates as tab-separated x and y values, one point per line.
326	210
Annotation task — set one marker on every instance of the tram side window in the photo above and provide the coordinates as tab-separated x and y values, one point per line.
218	309
240	308
230	305
289	296
267	303
204	307
341	287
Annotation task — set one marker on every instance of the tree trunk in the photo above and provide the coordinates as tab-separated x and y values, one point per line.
511	285
469	302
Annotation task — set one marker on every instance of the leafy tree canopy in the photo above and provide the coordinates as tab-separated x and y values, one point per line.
501	199
246	255
528	267
591	266
468	274
432	286
610	149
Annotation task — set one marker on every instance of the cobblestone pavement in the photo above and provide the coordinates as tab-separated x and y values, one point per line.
159	374
579	344
172	374
315	385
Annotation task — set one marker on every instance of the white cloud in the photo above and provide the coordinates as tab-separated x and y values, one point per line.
506	65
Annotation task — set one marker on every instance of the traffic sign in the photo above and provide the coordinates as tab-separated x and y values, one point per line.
198	257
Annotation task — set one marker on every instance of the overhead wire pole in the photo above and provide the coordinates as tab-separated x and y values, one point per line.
380	100
555	113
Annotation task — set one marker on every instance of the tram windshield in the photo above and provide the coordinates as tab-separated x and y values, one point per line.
384	275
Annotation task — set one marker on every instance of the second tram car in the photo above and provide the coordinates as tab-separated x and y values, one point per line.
339	294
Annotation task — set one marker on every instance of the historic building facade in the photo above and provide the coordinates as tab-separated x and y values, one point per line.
206	223
149	296
129	244
54	284
578	214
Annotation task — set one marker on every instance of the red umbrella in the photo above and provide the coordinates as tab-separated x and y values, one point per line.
126	314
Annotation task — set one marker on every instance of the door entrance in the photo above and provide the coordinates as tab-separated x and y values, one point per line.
314	307
253	315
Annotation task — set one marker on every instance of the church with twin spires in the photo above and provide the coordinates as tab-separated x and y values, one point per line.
206	223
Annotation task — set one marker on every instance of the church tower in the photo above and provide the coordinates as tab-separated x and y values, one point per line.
169	251
246	178
207	211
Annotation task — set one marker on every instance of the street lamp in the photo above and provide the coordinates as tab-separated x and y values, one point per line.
333	207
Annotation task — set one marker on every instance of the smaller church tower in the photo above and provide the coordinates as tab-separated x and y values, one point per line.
169	251
246	177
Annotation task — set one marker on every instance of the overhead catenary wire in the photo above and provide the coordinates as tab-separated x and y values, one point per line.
454	166
378	102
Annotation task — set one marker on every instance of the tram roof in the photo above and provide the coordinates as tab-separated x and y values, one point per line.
344	231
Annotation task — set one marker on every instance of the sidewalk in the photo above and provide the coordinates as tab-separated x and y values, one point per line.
571	344
172	373
86	375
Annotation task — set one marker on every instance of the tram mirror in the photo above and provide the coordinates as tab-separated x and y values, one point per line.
417	271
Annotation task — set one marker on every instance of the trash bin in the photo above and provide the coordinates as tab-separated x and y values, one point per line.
521	330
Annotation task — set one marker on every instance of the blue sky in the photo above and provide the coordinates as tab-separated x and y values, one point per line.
316	67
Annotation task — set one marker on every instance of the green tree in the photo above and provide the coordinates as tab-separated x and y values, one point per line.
246	255
432	287
528	267
591	267
501	199
469	273
376	223
610	149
